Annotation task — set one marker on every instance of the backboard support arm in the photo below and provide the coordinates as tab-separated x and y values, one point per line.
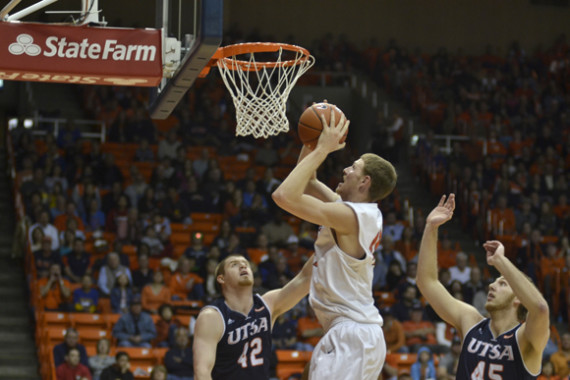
207	41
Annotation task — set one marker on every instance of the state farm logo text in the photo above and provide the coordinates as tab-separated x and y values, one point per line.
61	48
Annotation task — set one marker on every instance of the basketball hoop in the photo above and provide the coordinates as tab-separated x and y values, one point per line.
259	87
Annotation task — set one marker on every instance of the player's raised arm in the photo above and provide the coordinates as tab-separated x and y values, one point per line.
535	332
290	194
315	187
282	300
459	314
207	333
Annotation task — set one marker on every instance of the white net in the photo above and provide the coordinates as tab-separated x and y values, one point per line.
260	90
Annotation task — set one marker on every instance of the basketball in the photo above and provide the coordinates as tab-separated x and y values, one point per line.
310	125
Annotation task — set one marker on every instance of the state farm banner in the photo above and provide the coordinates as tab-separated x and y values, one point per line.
80	54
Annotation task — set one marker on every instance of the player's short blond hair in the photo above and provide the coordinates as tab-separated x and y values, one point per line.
382	174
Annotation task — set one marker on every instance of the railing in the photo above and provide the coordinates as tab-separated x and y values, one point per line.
54	124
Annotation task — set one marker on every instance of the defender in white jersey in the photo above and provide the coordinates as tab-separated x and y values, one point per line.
353	346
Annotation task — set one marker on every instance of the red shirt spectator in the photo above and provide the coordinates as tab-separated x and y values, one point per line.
72	369
418	331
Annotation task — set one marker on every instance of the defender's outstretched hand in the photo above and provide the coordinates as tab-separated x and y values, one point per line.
495	250
443	212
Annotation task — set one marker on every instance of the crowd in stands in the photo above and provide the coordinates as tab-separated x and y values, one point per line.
136	226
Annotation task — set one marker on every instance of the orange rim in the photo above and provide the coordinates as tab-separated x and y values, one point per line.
228	54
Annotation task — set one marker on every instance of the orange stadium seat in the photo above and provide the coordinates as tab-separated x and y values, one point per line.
54	319
290	362
90	337
85	320
53	335
385	298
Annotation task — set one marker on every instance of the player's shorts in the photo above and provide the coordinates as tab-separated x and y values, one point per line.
349	351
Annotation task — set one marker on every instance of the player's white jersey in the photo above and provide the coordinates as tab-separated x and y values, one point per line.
341	285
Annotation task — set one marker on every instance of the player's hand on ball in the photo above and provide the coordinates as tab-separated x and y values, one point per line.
332	134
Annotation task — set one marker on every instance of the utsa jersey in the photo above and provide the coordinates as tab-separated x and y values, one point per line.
484	357
244	351
341	285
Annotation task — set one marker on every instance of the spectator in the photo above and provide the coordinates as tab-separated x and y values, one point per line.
56	179
234	248
408	298
109	273
529	255
184	284
72	369
109	173
36	238
136	328
54	290
460	271
70	213
45	258
136	190
448	363
284	334
201	165
167	147
525	215
119	370
151	239
210	282
144	153
143	275
392	227
117	218
101	359
134	227
394	276
277	230
267	155
174	207
418	331
548	372
78	262
197	251
68	135
86	298
547	223
121	294
70	341
111	199
561	359
159	373
166	326
389	253
147	203
268	183
72	227
83	193
393	332
410	278
94	217
66	243
222	239
179	360
155	294
424	367
47	228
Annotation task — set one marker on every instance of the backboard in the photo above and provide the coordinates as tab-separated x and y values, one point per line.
198	48
84	49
